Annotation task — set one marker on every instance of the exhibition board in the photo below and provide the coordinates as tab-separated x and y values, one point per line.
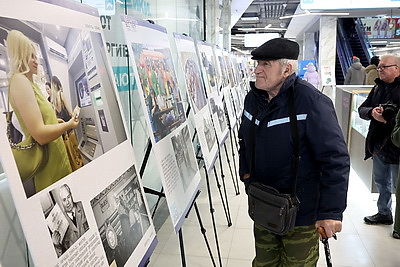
110	222
215	98
129	95
199	101
150	51
223	80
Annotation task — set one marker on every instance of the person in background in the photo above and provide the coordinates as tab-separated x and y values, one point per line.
312	76
35	114
49	91
355	73
61	106
372	72
324	167
380	109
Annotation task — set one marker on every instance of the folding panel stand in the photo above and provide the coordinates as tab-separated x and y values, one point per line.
234	181
160	195
203	231
231	134
227	211
224	202
212	211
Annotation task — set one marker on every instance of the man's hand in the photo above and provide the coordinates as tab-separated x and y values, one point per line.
331	227
377	114
246	176
56	238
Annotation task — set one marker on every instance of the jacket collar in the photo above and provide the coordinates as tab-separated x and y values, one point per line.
379	82
286	84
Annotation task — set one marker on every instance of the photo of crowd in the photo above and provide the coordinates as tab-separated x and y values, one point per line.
193	79
160	90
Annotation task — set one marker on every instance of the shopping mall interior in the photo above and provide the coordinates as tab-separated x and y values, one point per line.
205	222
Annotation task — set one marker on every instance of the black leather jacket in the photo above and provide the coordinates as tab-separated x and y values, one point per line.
378	138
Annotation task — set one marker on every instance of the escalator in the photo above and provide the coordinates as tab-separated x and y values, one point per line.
351	41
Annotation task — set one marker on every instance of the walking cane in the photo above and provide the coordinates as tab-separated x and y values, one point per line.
324	241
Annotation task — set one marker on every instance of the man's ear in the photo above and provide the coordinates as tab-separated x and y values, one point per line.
288	70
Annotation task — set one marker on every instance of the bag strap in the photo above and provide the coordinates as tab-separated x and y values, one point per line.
9	124
252	133
295	137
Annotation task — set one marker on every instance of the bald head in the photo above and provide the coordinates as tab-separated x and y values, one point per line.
66	198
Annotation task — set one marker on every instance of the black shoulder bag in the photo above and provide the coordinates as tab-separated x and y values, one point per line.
268	208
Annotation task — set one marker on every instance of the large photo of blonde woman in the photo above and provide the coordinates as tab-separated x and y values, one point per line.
55	100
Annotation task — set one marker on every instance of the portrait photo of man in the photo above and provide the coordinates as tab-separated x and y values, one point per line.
65	218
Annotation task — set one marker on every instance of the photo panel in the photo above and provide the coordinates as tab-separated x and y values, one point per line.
121	217
215	97
53	203
76	59
226	89
150	50
192	72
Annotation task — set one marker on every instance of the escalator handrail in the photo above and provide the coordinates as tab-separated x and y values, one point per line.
347	53
341	56
364	40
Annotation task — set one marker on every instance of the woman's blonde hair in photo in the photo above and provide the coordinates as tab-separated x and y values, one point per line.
19	49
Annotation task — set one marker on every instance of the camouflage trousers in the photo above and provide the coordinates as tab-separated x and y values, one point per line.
300	247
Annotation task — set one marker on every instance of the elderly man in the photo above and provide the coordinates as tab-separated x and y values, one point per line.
380	108
266	150
76	218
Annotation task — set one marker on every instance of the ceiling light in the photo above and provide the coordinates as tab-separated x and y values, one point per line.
308	13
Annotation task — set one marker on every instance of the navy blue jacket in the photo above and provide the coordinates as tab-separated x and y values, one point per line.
378	136
324	165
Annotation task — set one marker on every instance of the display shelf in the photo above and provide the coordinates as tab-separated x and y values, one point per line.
358	124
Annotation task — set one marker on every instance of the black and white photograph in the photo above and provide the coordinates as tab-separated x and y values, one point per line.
121	217
209	132
65	218
185	158
217	110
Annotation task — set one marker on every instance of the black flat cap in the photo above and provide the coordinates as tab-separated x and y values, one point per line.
276	49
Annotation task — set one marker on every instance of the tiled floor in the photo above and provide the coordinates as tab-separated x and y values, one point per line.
357	245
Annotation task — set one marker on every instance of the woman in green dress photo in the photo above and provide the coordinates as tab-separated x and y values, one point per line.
35	115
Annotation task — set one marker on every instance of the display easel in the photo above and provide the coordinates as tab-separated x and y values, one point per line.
160	195
225	203
231	134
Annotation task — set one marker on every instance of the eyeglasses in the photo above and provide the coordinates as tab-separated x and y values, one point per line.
383	67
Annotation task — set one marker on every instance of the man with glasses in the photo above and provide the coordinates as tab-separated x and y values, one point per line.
380	108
